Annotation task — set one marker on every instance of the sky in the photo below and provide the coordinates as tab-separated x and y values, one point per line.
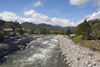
54	12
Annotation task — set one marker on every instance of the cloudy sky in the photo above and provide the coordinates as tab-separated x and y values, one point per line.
55	12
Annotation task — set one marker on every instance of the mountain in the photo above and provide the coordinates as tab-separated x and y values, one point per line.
49	27
28	25
66	28
31	26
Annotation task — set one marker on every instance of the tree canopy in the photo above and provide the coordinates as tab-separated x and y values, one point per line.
88	28
83	29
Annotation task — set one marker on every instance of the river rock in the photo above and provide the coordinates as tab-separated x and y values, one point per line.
71	51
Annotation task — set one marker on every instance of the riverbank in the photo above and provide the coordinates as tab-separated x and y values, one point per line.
77	56
20	43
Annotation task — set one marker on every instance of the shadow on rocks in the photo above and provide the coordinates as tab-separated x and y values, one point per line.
3	59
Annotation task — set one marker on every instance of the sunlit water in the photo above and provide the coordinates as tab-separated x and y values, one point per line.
43	55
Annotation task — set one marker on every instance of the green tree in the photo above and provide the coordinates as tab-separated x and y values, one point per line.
83	29
11	24
68	31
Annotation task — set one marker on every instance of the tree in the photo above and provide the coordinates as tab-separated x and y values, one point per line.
83	29
11	24
68	31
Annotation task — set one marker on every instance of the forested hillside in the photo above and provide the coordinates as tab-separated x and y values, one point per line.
88	29
9	24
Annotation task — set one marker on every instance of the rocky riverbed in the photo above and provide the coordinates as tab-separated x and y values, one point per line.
77	56
20	43
43	52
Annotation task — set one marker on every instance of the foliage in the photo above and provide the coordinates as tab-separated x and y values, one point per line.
91	44
68	31
94	31
1	37
19	30
80	37
40	30
32	31
95	27
83	29
62	32
12	25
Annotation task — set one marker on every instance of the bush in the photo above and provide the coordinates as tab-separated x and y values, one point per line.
1	37
80	37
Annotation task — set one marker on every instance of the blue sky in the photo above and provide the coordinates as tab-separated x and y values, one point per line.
55	12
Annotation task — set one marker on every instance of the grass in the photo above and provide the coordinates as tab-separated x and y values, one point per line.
94	45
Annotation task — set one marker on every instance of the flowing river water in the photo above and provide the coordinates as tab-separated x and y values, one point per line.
44	52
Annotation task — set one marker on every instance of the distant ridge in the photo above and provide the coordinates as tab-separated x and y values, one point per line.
28	25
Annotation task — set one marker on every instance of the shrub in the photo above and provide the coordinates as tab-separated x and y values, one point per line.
1	37
80	37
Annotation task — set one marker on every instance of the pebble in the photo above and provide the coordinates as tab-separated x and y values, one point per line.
90	65
86	62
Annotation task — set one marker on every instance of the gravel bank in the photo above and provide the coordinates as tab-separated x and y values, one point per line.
76	56
20	43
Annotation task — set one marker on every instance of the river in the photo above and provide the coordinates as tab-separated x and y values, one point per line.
44	52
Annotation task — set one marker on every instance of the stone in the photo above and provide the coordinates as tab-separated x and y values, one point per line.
94	63
90	65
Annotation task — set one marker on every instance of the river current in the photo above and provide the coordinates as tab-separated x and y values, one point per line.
44	52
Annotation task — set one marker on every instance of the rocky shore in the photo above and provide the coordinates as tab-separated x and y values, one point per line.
20	43
77	56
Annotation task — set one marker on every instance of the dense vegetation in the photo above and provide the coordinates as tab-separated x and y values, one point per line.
11	24
39	30
88	34
88	29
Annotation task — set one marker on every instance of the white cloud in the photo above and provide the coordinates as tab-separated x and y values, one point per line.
80	3
36	18
41	18
90	16
9	16
58	13
38	4
96	3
